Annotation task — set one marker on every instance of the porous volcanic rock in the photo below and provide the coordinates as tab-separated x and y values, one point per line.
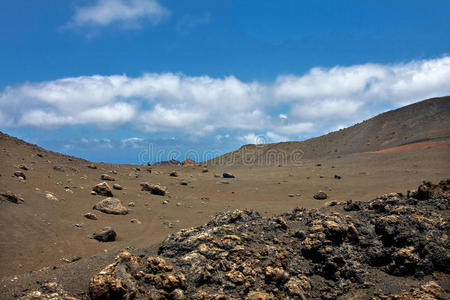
305	254
103	189
111	206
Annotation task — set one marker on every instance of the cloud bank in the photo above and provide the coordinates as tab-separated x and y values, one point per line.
128	14
288	108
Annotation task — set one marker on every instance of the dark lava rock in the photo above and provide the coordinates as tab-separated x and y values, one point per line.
111	206
106	234
103	189
155	189
107	177
320	195
12	197
228	175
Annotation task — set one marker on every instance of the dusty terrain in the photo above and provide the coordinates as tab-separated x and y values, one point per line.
46	236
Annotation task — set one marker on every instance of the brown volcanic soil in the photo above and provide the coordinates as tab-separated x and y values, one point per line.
41	232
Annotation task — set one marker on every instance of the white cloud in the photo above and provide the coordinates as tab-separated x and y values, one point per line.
175	103
127	13
133	142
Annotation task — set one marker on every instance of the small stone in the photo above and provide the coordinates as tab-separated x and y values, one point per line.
103	189
111	206
173	174
50	196
131	204
12	197
106	234
320	195
107	177
92	166
135	221
90	216
20	174
154	189
337	177
117	186
228	175
24	167
183	182
205	170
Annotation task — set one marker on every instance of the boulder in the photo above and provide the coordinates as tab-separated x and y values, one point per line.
320	195
111	206
106	234
107	177
228	175
154	189
103	189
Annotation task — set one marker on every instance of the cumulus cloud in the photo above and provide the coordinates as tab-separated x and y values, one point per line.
288	108
127	13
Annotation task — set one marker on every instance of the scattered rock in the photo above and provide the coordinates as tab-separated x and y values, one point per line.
111	206
183	182
24	167
337	177
117	186
154	189
131	204
228	175
90	216
106	234
103	189
205	170
20	174
107	177
59	169
133	174
48	291
320	195
173	174
51	196
12	197
92	166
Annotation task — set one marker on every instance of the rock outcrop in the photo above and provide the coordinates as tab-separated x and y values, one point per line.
305	254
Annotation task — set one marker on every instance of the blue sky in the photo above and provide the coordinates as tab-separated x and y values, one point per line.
109	80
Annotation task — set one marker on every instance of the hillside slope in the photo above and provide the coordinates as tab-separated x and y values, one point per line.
428	120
